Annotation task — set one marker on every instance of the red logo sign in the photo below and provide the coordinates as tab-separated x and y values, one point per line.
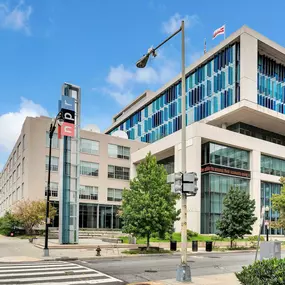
224	170
67	129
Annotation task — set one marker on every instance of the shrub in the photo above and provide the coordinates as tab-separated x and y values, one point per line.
8	223
265	272
191	234
253	240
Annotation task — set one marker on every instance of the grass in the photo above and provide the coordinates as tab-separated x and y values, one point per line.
177	237
150	251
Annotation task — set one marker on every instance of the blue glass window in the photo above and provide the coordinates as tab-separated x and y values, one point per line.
209	91
170	127
146	112
179	106
223	78
161	101
209	108
215	104
146	126
230	75
215	84
209	68
149	123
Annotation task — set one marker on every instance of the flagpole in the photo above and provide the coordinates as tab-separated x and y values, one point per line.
225	33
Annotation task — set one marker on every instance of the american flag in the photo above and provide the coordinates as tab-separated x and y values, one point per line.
219	31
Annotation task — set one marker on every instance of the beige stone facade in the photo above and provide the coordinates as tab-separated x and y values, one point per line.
24	175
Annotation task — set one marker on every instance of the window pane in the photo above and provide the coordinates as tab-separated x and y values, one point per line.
89	146
118	172
88	192
272	165
89	168
117	151
54	163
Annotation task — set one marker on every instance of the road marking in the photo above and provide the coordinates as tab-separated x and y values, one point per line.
55	273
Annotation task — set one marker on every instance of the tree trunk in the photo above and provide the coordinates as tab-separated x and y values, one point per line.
147	241
231	243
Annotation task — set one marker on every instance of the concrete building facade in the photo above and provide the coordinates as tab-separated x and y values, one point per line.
104	172
235	96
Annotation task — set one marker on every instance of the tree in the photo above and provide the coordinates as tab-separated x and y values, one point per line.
8	223
149	206
32	213
278	204
238	215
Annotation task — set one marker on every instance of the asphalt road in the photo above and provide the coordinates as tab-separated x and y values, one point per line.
141	269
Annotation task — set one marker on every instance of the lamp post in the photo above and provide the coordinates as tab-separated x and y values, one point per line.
59	120
267	221
183	271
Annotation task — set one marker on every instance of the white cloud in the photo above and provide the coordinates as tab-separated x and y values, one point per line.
119	76
16	18
161	71
123	97
122	80
11	123
174	23
147	75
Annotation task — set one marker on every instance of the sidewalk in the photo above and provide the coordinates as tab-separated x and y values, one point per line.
14	249
219	279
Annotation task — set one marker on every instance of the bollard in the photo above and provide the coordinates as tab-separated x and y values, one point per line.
98	249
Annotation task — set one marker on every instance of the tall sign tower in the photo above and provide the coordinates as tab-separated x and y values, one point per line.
69	164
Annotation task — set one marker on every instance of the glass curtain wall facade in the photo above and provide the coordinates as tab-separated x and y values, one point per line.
272	165
210	88
217	154
214	186
214	189
271	84
94	216
267	189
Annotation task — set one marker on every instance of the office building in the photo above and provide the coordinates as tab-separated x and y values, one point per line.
235	119
104	173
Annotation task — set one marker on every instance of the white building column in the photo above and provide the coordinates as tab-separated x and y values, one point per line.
193	164
248	68
255	190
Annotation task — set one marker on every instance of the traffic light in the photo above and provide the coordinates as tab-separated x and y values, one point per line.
183	183
190	183
178	182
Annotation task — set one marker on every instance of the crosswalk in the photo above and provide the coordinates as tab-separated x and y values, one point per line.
52	273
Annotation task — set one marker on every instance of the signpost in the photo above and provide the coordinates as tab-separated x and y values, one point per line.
69	164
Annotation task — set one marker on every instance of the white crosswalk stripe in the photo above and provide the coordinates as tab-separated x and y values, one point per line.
52	273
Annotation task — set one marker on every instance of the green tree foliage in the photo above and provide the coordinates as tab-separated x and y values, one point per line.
7	223
237	216
149	206
32	213
278	204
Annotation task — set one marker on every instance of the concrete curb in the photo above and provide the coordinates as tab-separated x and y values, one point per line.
138	255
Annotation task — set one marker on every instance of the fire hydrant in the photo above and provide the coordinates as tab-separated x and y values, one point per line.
98	249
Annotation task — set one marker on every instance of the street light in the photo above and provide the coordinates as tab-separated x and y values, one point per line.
183	271
59	121
267	221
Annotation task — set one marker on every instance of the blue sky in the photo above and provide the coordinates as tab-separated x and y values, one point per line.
96	43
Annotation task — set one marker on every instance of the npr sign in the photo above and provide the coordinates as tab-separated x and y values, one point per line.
67	108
